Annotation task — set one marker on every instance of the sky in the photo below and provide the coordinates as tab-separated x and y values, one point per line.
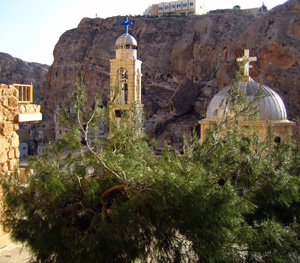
30	29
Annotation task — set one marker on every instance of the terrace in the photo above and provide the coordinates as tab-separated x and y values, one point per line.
27	111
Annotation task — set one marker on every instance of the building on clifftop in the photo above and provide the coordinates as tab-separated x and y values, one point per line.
192	7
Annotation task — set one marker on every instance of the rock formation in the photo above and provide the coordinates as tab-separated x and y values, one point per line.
16	71
202	49
184	97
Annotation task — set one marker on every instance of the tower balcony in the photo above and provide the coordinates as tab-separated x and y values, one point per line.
27	111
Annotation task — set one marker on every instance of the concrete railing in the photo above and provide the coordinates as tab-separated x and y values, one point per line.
25	92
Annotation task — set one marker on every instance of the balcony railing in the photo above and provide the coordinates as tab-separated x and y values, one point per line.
25	93
27	111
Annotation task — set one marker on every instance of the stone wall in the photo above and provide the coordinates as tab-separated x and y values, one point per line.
9	139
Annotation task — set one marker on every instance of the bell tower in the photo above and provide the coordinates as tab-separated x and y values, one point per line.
125	78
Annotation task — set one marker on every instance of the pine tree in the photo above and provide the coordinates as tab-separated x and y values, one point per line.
231	199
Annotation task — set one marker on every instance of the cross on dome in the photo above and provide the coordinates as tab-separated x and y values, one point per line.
126	23
245	61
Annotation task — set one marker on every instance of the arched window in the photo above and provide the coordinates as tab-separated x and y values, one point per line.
123	79
125	86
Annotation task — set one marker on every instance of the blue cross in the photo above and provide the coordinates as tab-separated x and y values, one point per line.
126	23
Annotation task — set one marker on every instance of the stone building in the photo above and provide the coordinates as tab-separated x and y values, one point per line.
125	78
270	107
194	7
15	107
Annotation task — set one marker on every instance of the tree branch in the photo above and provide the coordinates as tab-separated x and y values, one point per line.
124	181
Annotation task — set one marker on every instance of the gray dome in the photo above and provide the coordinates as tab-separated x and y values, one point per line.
126	40
271	106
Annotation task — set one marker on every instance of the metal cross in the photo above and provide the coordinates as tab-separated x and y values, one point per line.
245	60
126	23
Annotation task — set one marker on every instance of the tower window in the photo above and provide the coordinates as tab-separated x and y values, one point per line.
125	93
118	113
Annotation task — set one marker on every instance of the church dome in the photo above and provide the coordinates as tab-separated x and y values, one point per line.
271	106
126	40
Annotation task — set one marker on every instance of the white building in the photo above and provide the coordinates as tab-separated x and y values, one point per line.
23	148
184	6
41	148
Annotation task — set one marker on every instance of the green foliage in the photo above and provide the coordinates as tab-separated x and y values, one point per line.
231	199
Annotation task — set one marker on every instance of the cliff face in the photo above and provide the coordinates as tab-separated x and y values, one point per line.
277	46
16	71
201	48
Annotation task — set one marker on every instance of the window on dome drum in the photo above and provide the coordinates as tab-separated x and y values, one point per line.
173	6
277	140
184	5
166	7
191	4
179	5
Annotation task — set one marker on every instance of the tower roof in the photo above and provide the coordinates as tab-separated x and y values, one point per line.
271	106
126	40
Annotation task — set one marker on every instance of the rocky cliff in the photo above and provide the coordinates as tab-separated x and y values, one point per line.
186	60
16	71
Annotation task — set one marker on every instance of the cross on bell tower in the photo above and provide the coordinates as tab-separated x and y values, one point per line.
245	62
126	23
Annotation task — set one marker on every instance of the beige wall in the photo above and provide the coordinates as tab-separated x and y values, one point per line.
154	9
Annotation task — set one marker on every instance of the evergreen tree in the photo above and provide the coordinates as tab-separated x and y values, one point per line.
231	199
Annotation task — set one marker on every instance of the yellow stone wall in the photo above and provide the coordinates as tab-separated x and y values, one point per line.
133	67
9	139
280	128
125	60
